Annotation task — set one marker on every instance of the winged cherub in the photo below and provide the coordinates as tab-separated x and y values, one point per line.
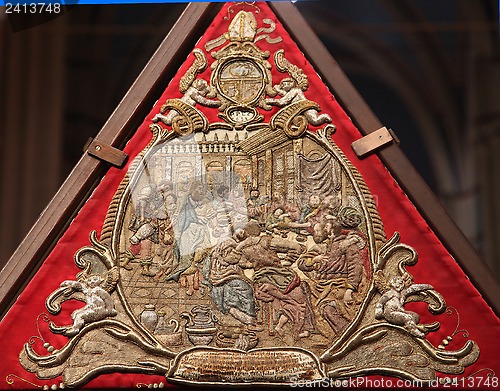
391	305
291	93
198	92
99	304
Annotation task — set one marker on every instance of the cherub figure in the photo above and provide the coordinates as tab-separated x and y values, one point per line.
391	305
99	304
291	93
197	92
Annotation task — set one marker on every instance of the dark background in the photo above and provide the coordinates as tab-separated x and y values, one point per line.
429	69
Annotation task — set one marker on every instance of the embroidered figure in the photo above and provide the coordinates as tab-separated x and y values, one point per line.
278	285
335	265
391	305
97	296
148	225
291	93
198	92
231	291
192	237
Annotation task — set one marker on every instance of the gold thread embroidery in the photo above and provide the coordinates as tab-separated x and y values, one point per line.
10	380
256	243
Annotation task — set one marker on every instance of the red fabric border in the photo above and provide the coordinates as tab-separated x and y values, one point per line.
435	265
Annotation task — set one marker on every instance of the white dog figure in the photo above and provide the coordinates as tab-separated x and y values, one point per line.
99	304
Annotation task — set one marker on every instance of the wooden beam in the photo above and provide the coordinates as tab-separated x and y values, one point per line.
393	157
116	131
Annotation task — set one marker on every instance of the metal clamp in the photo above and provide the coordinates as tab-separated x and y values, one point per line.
105	152
373	141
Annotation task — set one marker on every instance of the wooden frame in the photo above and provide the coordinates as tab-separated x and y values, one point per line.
148	86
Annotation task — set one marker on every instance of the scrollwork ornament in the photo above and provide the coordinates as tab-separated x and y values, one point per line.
10	379
292	119
445	342
199	65
46	318
187	119
297	74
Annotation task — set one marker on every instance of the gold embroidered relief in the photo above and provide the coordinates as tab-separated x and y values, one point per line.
199	65
46	318
241	74
10	379
243	251
182	114
489	375
297	74
151	385
450	311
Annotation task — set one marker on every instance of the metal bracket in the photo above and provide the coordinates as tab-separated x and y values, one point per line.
105	152
373	141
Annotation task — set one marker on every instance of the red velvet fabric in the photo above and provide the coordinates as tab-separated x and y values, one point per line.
435	265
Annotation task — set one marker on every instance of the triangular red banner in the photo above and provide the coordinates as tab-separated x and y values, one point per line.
298	262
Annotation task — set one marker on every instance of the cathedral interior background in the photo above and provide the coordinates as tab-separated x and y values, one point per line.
429	70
